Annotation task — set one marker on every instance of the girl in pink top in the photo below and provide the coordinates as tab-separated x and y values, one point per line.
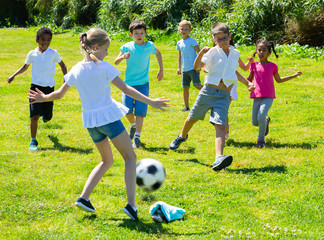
261	75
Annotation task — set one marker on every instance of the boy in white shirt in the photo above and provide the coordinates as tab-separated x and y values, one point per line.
43	60
221	63
188	49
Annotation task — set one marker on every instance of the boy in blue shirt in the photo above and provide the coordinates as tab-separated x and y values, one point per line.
137	54
43	60
188	49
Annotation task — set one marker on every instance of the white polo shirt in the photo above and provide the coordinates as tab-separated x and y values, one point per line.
220	66
43	66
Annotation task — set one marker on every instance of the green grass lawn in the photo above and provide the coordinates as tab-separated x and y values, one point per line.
270	193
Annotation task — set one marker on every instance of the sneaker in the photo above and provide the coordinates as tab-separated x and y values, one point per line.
84	205
132	131
185	109
267	129
222	162
177	142
136	142
129	210
44	120
33	145
260	144
158	216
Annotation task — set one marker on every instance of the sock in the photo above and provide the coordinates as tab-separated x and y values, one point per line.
134	208
137	134
133	124
33	139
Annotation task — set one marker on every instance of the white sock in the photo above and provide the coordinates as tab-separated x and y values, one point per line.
137	134
33	139
133	124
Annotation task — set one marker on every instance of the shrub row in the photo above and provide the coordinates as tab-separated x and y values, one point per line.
283	21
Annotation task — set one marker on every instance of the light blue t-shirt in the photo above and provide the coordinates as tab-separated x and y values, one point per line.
188	53
138	63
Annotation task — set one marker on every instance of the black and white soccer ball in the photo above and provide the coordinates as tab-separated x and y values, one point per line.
150	174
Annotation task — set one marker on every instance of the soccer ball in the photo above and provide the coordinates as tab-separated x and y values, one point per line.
150	174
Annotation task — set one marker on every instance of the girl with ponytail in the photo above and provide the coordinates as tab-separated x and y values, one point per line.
101	114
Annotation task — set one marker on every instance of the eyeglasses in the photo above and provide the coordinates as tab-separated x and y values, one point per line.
221	39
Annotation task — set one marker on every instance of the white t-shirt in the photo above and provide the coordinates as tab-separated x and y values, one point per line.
43	66
220	66
92	81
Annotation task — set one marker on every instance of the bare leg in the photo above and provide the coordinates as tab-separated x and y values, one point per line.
130	117
198	86
33	126
139	123
123	145
187	126
220	139
186	96
97	173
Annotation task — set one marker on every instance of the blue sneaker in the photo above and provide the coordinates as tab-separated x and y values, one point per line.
129	210
177	142
222	162
84	205
33	145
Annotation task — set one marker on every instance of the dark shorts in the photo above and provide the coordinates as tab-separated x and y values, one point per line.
44	109
189	76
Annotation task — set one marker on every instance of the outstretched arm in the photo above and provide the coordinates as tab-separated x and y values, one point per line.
19	71
246	82
39	96
121	57
284	79
130	91
159	59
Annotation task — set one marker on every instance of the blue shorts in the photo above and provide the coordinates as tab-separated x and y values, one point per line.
131	103
110	130
189	76
211	98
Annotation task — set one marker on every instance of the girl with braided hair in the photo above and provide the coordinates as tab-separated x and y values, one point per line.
101	114
261	75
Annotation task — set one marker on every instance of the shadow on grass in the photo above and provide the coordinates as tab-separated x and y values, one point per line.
62	148
270	144
269	169
162	150
157	228
149	228
194	160
187	150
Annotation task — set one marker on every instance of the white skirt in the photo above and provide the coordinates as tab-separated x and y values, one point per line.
103	115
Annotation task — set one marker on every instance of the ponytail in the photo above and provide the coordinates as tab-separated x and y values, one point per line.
274	51
92	37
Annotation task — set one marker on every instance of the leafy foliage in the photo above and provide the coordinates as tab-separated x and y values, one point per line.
248	19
